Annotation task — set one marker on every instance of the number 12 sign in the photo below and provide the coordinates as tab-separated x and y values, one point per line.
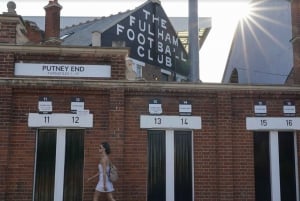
59	120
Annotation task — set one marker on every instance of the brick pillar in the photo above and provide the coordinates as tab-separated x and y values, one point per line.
295	6
116	116
5	112
116	132
224	147
8	28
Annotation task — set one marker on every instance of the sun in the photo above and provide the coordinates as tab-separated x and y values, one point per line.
246	10
242	10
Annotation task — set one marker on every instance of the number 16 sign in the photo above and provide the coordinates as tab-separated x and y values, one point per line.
273	123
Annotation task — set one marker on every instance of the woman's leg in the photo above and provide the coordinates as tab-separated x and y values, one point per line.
96	195
110	197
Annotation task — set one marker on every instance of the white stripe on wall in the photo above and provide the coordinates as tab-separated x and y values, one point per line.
60	164
170	165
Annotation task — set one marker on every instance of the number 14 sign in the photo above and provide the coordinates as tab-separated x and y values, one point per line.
59	120
170	122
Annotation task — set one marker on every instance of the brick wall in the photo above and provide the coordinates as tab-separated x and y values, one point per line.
5	129
223	156
34	34
8	31
223	148
295	6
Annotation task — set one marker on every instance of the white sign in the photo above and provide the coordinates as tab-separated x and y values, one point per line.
156	41
155	109
45	106
273	123
60	120
260	109
289	109
62	70
77	106
170	122
185	109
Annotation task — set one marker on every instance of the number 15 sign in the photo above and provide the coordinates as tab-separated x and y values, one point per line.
273	123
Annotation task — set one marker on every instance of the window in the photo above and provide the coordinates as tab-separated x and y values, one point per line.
134	69
138	70
165	75
66	36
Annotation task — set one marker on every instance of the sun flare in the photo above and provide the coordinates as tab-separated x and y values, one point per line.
244	10
248	10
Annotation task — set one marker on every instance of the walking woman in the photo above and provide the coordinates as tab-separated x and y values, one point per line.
104	185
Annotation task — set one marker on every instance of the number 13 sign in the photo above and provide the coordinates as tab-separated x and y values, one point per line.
170	122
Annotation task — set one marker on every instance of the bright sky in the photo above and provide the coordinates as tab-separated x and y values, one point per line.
213	55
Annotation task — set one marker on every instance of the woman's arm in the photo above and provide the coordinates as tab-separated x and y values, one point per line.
92	177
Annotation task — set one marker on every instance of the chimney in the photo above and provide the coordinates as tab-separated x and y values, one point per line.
34	34
96	39
295	6
52	23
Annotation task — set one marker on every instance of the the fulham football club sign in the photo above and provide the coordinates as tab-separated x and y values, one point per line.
151	37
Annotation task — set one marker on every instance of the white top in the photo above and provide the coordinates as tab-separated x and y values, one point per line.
100	185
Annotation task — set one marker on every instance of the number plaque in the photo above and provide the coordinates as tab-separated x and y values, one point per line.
273	123
59	120
170	122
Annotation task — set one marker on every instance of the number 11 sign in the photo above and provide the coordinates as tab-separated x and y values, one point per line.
60	120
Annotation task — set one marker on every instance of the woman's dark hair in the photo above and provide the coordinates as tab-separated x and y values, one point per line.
106	146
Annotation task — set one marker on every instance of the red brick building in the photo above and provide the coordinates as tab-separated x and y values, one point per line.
170	141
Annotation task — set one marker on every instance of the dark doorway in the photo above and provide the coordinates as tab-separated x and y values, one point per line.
287	166
73	179
156	166
183	166
262	166
45	165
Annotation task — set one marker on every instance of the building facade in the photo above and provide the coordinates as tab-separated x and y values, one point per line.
261	51
170	141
